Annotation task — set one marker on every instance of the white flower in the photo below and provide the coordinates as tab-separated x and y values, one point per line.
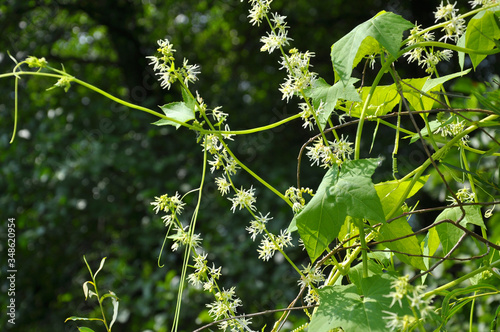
312	276
166	79
231	165
243	198
445	12
226	304
482	3
401	287
266	248
216	163
258	225
222	185
190	72
169	204
463	195
166	49
214	272
274	41
299	77
259	10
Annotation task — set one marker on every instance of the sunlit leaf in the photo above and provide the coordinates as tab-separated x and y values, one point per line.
85	329
100	267
115	309
82	318
386	28
383	100
400	228
389	192
328	94
450	234
178	111
481	34
348	192
357	308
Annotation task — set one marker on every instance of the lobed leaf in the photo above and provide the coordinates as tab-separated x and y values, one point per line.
341	193
354	308
330	94
386	28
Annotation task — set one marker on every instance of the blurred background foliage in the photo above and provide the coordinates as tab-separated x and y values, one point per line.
82	172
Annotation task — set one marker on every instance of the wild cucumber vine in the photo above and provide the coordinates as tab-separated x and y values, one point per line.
348	214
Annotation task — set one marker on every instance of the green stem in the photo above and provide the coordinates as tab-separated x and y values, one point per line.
416	173
258	178
448	46
461	279
187	253
381	73
15	109
364	248
97	295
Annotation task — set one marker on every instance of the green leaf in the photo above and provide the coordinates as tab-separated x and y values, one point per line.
188	99
450	234
386	28
356	308
482	33
115	309
389	192
383	100
461	55
328	94
85	329
178	111
409	245
434	125
411	91
432	83
82	318
348	192
429	246
369	46
100	267
472	215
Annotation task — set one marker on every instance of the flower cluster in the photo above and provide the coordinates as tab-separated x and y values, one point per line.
463	195
277	38
327	155
298	75
426	59
258	225
34	62
226	305
452	127
309	114
455	25
420	305
311	277
295	196
243	199
259	10
183	236
171	205
271	243
482	3
167	71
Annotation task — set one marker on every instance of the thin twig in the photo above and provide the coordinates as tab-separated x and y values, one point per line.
253	315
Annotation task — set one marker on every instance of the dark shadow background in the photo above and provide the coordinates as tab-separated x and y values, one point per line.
82	172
